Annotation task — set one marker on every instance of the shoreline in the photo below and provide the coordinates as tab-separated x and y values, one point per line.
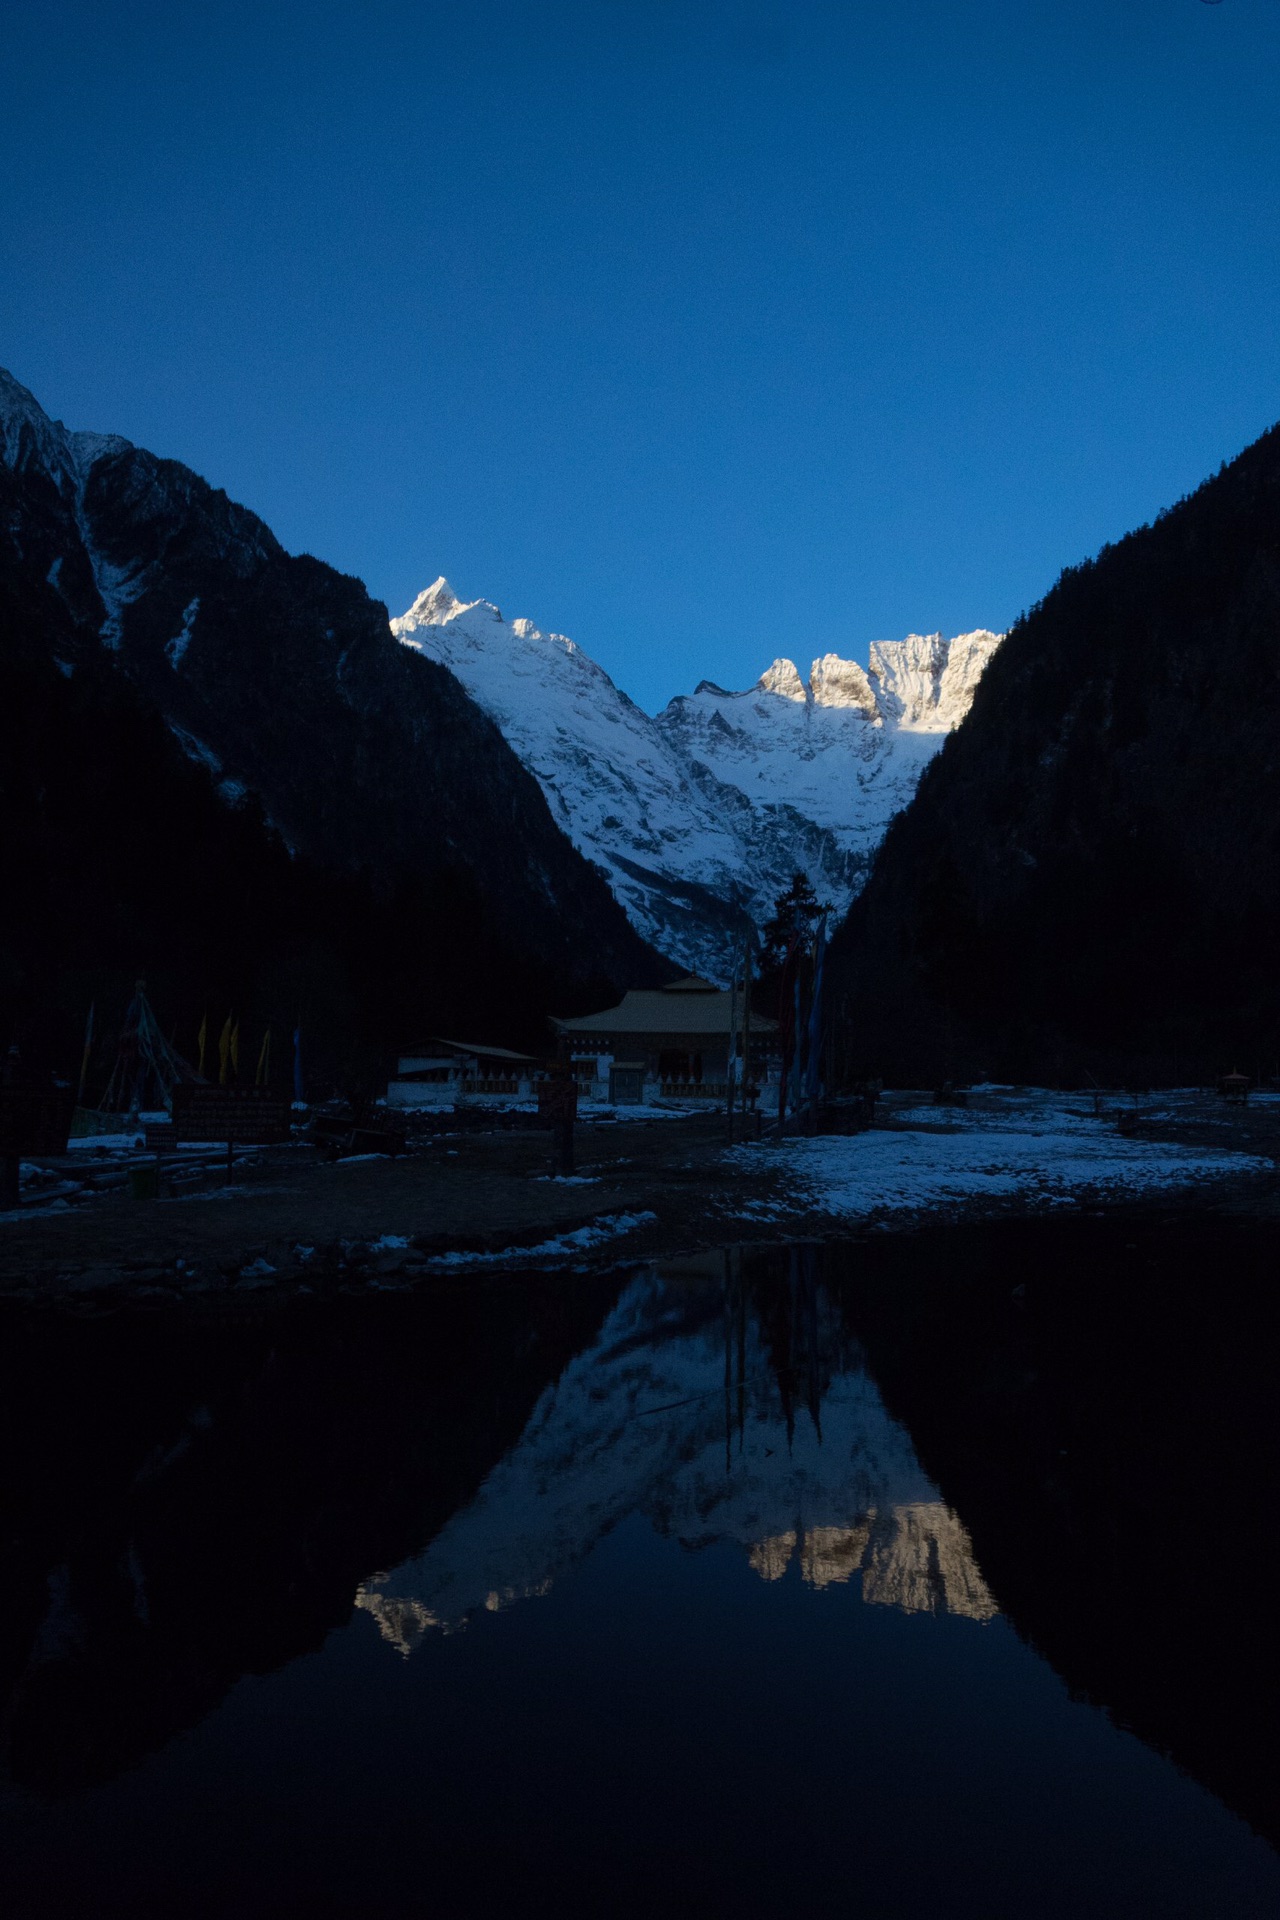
475	1202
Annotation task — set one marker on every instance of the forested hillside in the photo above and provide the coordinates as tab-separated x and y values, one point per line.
1088	878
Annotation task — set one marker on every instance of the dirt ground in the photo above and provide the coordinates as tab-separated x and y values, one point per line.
300	1214
293	1222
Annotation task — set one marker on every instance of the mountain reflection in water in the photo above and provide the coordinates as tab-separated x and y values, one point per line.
825	1577
717	1422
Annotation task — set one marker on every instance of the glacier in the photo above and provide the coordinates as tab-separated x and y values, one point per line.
700	815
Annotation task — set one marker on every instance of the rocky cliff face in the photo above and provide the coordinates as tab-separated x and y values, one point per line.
702	815
280	676
1089	874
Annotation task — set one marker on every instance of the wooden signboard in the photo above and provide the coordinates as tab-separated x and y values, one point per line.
242	1116
34	1120
558	1100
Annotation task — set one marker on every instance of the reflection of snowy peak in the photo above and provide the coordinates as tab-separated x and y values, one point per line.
641	1422
915	1557
703	814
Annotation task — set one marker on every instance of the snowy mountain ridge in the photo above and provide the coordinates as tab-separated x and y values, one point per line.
30	439
701	814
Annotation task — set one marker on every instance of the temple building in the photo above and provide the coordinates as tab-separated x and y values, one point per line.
666	1043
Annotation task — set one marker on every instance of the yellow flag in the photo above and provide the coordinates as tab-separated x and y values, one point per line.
202	1037
262	1077
235	1051
224	1049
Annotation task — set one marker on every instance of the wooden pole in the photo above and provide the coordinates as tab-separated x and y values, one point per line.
746	1013
732	1046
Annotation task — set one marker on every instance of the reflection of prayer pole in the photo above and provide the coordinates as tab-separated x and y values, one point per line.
728	1363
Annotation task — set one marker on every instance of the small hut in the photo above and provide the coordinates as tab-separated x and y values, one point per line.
438	1072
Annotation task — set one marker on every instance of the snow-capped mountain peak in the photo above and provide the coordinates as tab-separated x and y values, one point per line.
834	682
439	604
701	815
783	678
925	684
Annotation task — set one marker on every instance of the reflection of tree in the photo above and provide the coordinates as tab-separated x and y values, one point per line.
1106	1431
207	1497
799	1327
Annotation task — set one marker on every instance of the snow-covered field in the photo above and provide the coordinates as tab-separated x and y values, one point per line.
1032	1148
1035	1110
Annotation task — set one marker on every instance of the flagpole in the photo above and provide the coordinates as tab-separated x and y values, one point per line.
84	1061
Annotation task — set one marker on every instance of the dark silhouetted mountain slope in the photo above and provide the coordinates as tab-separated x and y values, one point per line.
154	597
1089	873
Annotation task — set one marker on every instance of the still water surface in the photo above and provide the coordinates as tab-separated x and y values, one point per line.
630	1595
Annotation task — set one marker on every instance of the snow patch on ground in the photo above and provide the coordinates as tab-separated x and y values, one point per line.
1062	1156
610	1226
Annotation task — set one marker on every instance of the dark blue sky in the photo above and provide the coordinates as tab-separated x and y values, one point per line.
701	332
